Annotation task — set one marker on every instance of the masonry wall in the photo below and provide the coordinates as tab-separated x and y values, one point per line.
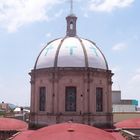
85	81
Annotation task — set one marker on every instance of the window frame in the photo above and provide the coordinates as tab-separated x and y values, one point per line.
99	99
68	107
42	98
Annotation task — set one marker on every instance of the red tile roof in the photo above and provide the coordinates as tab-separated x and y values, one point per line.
70	131
117	135
23	135
7	124
131	123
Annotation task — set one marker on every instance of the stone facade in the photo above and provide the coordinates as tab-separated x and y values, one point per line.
86	80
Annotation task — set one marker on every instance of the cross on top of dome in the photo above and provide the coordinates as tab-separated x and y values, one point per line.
71	7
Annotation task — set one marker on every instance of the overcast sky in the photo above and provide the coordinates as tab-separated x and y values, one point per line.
27	25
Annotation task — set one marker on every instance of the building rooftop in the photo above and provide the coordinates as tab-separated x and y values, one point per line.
8	124
67	131
22	135
130	123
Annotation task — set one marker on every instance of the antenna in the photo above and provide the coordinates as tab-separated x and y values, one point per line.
71	6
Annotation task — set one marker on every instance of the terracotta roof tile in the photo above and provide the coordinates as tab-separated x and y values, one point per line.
12	124
70	131
131	123
117	135
23	135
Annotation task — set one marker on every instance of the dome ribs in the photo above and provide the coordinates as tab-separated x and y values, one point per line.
85	53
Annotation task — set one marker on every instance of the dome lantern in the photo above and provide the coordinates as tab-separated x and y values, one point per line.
71	25
71	22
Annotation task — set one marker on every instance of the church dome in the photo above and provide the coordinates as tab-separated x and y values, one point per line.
71	52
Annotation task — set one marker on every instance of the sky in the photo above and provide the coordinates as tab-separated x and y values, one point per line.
27	25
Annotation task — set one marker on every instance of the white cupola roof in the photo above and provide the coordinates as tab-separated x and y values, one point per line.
71	51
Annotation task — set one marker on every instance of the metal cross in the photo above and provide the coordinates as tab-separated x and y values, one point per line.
71	6
48	48
71	49
94	50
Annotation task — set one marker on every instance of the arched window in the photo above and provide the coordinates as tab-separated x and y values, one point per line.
71	25
42	99
70	99
99	99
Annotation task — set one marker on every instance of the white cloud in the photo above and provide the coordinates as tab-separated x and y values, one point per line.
136	77
16	13
133	85
108	5
138	70
59	13
86	15
116	69
134	81
48	35
119	47
136	37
